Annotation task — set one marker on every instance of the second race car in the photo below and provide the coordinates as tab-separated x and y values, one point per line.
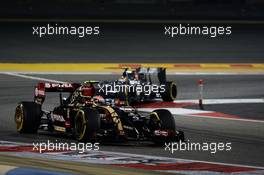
139	85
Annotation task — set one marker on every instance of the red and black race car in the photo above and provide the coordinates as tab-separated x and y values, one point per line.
90	118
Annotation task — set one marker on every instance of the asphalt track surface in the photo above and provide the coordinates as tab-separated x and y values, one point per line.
247	138
146	43
131	42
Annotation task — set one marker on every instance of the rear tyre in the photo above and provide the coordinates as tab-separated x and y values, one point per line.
27	117
86	124
170	92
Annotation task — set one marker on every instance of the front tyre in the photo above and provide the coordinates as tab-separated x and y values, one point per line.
86	124
170	92
27	117
166	123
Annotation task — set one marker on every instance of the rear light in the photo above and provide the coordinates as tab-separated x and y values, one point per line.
165	133
67	124
161	133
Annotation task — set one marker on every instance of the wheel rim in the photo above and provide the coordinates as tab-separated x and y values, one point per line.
19	117
155	120
80	125
173	91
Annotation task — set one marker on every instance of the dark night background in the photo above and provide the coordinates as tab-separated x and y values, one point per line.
134	9
132	31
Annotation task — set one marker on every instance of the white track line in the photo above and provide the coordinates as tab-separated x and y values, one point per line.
178	111
33	77
192	113
223	101
232	119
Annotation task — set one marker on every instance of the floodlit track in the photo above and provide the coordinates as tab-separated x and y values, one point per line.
146	43
246	137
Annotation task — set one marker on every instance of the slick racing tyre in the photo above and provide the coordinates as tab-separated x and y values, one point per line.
170	92
86	124
167	121
27	117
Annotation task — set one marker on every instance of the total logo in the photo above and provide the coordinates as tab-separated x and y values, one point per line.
57	85
56	117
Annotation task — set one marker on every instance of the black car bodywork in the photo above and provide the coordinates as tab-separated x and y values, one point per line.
88	118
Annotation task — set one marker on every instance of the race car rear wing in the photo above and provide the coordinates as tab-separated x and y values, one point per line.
160	71
59	87
42	88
